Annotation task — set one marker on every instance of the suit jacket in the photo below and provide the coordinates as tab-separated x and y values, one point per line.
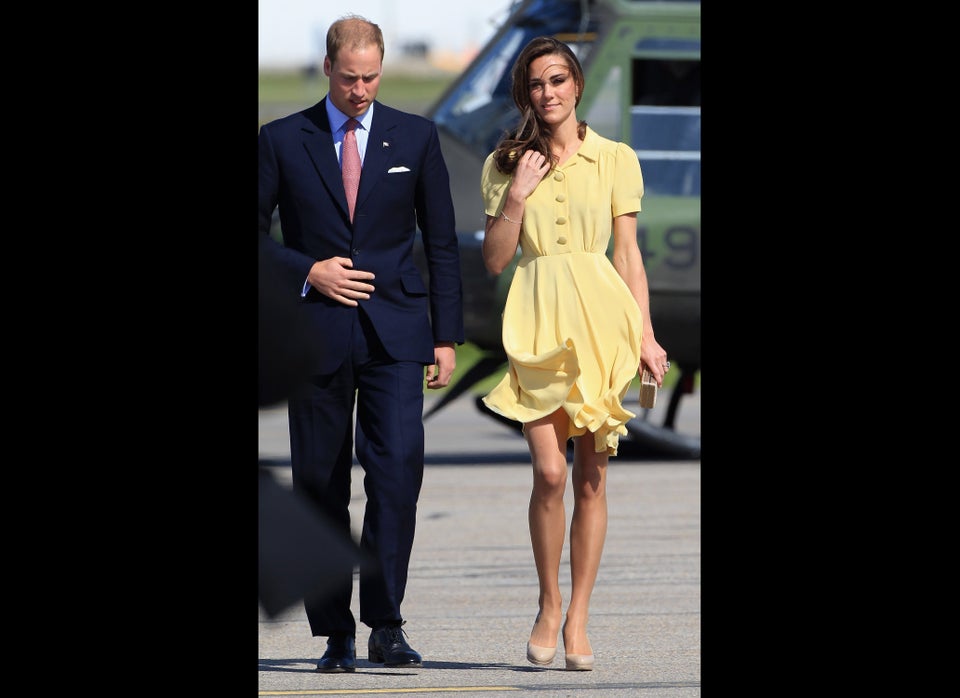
404	185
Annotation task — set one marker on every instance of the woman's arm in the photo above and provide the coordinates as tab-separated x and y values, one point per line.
628	262
502	233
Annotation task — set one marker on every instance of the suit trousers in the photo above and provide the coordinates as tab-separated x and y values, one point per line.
388	398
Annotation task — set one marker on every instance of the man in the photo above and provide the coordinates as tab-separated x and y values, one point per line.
379	326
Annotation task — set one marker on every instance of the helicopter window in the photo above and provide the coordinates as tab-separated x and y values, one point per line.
479	89
665	124
674	83
479	109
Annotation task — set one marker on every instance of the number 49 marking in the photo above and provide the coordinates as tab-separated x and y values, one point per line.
680	246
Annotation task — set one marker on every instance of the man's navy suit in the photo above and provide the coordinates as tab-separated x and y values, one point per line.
370	358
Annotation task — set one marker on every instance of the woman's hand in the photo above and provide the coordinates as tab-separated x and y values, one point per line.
530	170
654	357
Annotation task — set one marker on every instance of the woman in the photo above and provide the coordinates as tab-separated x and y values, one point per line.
576	327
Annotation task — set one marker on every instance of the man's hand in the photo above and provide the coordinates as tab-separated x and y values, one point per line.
337	279
445	360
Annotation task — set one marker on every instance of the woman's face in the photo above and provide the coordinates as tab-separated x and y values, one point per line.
552	89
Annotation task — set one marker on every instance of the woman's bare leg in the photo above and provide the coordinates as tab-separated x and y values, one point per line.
547	439
588	531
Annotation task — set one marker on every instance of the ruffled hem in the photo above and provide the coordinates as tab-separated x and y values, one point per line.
551	381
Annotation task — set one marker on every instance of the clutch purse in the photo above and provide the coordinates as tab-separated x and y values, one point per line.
648	390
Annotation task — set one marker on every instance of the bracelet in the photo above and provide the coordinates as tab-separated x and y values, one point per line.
507	218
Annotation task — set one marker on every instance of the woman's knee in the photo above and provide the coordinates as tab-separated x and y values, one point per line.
550	476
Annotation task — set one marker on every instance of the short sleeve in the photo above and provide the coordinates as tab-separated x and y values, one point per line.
493	187
628	183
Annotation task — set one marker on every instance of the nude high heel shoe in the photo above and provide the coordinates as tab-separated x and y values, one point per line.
579	662
541	656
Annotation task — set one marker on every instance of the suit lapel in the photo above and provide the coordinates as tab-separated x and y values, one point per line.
380	148
319	145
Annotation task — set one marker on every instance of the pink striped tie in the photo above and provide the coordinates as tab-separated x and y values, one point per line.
350	165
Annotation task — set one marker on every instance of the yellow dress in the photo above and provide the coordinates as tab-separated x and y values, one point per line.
571	327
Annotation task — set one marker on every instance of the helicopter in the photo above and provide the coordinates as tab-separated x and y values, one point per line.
641	63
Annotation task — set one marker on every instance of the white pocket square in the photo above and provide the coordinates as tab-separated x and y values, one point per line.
398	169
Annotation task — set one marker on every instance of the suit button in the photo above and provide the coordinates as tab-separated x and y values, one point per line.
356	253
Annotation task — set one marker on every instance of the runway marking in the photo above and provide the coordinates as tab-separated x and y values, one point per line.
359	691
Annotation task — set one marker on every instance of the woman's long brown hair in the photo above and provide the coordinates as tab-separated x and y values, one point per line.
531	133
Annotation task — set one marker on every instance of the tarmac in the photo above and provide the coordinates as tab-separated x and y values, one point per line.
472	589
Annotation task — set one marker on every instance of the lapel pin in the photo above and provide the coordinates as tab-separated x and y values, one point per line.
386	145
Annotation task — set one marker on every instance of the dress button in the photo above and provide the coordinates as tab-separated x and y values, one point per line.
561	197
558	176
561	240
561	220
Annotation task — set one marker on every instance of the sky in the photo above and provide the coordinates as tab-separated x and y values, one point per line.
292	33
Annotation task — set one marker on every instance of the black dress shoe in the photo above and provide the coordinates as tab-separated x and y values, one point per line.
387	646
341	655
